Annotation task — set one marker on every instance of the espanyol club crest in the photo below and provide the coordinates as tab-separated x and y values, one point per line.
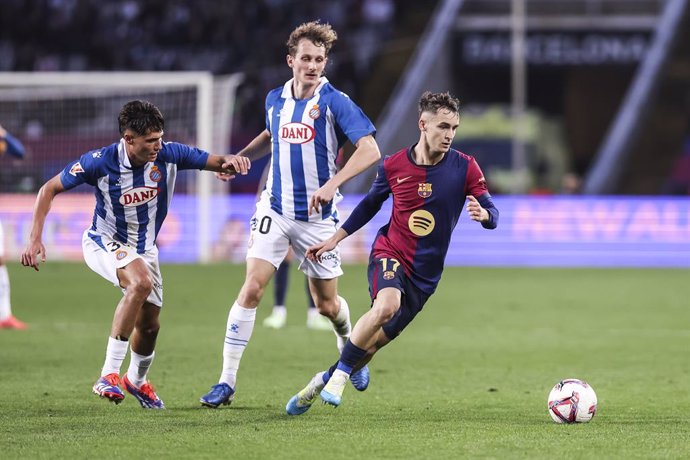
119	255
314	112
155	175
424	190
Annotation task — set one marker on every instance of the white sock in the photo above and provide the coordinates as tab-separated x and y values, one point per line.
239	331
114	355
5	308
341	324
139	367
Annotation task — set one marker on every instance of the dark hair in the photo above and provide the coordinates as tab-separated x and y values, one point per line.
432	102
142	117
317	33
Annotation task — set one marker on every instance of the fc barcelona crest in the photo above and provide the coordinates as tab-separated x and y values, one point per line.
314	112
424	190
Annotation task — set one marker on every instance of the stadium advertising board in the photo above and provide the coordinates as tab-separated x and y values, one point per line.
533	231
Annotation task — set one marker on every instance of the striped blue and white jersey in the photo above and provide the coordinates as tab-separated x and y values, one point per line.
131	203
306	135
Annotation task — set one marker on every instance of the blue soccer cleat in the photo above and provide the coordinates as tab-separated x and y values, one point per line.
360	379
302	401
108	387
332	393
220	393
145	394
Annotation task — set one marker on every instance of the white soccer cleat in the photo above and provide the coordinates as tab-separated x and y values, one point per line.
277	319
332	393
317	322
302	401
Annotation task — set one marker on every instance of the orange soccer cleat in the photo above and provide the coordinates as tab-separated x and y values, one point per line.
12	323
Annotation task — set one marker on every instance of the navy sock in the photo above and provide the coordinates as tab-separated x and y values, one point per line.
350	356
281	282
327	375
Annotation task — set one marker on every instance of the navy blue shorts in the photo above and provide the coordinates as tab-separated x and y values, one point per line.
385	272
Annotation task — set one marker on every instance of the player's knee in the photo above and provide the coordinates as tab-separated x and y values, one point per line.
327	307
384	311
149	328
251	293
141	286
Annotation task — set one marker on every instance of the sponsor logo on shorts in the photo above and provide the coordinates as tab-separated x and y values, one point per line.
138	196
331	259
297	133
119	255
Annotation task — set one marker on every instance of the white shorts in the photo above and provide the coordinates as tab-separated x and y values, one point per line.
104	256
271	234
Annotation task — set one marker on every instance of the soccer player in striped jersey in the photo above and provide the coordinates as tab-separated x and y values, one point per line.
12	146
134	181
307	121
430	183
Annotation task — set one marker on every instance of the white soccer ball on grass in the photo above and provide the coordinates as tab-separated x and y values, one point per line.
572	401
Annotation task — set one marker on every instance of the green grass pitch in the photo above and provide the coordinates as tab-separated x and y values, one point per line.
468	379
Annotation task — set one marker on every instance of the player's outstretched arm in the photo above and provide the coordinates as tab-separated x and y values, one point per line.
315	252
366	154
35	252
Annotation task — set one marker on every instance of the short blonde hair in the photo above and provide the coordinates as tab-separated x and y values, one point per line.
316	32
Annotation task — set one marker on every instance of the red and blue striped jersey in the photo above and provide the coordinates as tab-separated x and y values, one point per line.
427	202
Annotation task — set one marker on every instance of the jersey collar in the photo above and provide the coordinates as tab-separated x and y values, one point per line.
287	88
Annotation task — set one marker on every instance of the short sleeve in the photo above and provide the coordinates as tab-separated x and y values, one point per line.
475	183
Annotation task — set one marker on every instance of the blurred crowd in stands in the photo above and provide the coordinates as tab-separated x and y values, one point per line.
221	36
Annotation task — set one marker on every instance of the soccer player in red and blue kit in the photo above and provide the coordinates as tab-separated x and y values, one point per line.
429	183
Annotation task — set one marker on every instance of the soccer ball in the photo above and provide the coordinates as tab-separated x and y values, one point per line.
572	401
